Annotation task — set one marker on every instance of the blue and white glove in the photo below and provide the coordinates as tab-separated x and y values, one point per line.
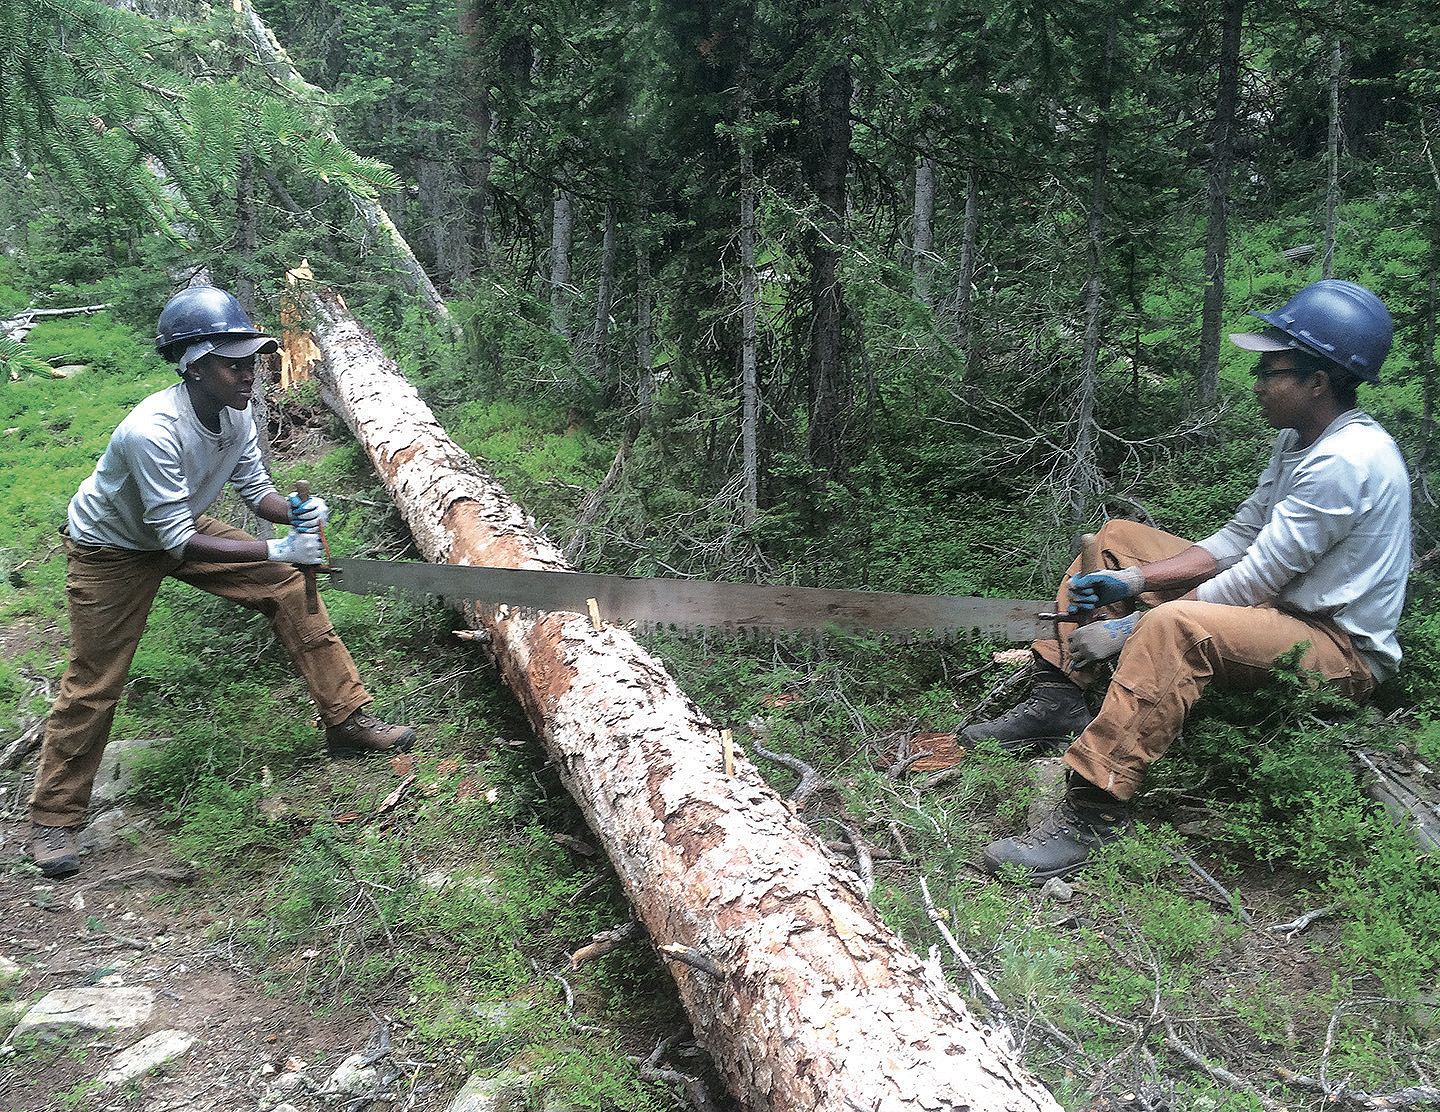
296	547
1090	644
310	515
1101	588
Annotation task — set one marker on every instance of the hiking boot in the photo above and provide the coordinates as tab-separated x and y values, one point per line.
1044	724
54	849
362	734
1086	819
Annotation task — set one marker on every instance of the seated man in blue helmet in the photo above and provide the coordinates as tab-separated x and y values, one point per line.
140	517
1318	555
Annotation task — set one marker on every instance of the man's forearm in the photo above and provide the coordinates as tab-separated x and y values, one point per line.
1182	572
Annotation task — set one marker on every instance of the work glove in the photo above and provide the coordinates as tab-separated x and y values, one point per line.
1090	644
310	515
1101	588
296	547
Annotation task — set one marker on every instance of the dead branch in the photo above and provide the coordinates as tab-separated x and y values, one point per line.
1300	923
1230	901
696	1091
606	941
1214	1072
864	863
590	511
810	780
688	955
1401	1098
982	986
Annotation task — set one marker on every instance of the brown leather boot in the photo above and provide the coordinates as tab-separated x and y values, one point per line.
54	850
1044	724
363	735
1086	819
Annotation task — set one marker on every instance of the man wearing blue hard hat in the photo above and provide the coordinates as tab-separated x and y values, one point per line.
1319	554
141	518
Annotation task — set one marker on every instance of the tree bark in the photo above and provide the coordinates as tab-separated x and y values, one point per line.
829	387
604	292
562	238
814	1002
749	298
923	241
1227	97
1085	480
965	288
1332	152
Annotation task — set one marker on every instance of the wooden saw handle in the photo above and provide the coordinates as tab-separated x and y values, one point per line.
1089	561
312	592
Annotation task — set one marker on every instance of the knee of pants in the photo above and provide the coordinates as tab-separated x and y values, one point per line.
1163	642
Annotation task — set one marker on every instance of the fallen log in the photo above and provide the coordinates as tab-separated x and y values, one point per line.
803	997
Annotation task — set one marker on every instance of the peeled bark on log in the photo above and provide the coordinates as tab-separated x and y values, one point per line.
811	1002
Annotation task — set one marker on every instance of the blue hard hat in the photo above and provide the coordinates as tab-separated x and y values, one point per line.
1338	320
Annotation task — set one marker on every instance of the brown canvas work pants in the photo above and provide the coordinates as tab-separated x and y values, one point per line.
109	593
1179	648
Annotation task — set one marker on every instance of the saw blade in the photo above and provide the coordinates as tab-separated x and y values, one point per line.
697	604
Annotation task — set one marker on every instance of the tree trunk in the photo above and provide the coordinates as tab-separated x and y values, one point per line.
810	1001
562	238
829	388
644	329
1085	480
1332	153
475	79
604	292
749	375
1227	96
923	240
965	288
245	294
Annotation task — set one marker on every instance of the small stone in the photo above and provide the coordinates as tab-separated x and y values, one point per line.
145	1055
1057	890
507	1092
91	1008
352	1076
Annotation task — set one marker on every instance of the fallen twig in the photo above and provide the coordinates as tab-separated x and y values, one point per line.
810	780
604	942
977	978
1401	1098
1296	925
695	1088
1180	855
1216	1073
864	864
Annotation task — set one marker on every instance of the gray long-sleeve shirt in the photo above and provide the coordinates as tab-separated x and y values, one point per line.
162	468
1326	533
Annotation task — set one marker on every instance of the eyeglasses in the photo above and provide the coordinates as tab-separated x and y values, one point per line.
1265	374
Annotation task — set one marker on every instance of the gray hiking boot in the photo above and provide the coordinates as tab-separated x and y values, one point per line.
1044	724
54	850
1086	819
363	735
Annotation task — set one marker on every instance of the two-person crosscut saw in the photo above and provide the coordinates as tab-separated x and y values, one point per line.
691	605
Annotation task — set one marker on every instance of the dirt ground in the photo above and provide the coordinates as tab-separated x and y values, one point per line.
106	922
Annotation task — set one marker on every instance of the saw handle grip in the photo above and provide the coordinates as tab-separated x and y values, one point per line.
312	592
1089	561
